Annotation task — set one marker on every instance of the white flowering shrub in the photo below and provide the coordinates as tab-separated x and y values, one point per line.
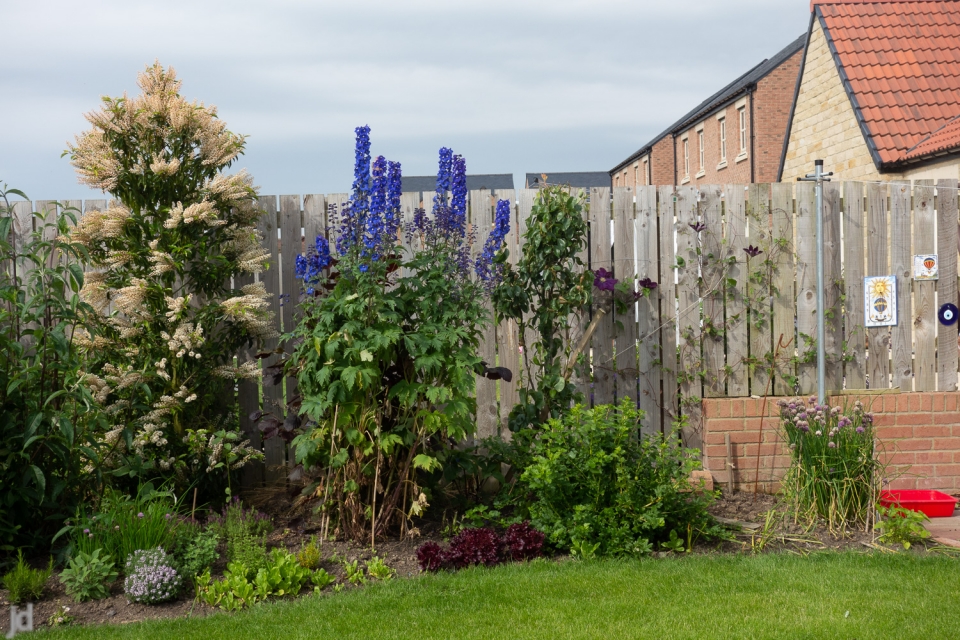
165	252
150	577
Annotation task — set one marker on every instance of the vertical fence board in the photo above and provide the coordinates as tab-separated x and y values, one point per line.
758	295
806	287
314	218
508	345
668	304
925	314
901	265
600	257
738	345
624	270
784	294
528	337
488	414
648	314
878	235
688	315
274	449
854	332
832	279
714	284
947	285
291	244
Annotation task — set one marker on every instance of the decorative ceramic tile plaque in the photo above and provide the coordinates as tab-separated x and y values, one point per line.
926	267
880	301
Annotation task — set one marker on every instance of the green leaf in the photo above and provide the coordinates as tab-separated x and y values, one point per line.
558	387
77	272
38	478
425	462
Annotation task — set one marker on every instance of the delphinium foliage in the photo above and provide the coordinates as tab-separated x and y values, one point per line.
834	475
387	342
596	488
48	418
150	577
177	232
548	291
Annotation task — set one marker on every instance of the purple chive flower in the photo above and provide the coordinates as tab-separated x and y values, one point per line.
860	429
86	530
604	280
752	251
832	444
140	515
844	422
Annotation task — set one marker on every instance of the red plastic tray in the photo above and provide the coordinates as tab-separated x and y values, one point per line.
935	504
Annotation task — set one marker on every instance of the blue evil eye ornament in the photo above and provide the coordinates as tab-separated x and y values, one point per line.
948	314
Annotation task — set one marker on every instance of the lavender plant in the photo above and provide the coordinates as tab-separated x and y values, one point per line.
151	578
387	343
834	475
160	352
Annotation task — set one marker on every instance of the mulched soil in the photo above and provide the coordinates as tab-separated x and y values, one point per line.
744	512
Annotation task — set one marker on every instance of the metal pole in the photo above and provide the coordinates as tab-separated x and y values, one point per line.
820	177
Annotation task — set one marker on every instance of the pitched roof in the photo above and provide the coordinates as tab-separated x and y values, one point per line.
900	64
582	179
474	181
721	97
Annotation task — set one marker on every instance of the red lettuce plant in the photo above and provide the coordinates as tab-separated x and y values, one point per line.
523	542
482	546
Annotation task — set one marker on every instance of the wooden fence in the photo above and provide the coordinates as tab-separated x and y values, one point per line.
733	312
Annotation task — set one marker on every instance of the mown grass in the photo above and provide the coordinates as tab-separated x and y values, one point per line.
769	596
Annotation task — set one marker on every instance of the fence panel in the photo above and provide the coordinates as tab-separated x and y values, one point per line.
901	265
758	293
855	365
624	270
878	264
736	326
488	414
600	258
648	309
947	285
668	303
508	343
273	449
806	287
714	284
925	314
784	293
832	283
688	315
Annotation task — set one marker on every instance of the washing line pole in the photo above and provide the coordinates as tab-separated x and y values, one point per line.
819	177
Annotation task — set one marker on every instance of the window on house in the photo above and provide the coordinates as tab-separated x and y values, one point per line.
700	140
742	113
616	180
624	177
646	172
686	157
636	174
723	138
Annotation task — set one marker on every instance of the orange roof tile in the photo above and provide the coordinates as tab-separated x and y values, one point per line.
902	61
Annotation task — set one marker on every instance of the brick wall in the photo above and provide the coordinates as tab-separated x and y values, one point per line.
773	100
919	436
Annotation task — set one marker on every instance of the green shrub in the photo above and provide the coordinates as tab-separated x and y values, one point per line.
309	555
48	423
833	473
88	576
902	526
25	583
597	487
198	555
248	550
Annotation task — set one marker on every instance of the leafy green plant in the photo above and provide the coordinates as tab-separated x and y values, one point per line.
354	572
833	474
247	550
87	576
199	554
177	232
901	526
547	287
321	579
377	568
675	543
49	457
597	486
309	555
25	583
282	576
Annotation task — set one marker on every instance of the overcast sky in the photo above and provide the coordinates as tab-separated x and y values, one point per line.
514	86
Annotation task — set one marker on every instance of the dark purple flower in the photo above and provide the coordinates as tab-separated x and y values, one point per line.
604	280
753	251
647	283
698	226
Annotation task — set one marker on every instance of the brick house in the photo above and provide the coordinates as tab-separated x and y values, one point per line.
734	136
878	97
577	179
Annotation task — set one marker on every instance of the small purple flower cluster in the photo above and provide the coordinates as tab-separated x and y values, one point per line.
150	578
482	546
819	418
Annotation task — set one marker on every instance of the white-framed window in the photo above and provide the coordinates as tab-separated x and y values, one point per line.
616	180
686	157
722	123
700	141
742	115
646	172
636	174
624	177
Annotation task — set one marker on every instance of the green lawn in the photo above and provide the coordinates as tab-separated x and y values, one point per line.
769	596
